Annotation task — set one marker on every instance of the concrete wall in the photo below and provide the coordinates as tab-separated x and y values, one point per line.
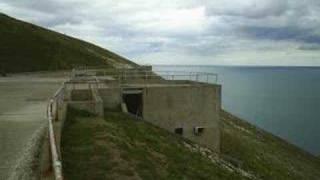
88	100
81	95
186	107
111	97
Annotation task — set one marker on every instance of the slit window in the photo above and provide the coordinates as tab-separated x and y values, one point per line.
198	130
178	131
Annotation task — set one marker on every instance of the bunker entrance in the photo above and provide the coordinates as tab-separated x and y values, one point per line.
134	103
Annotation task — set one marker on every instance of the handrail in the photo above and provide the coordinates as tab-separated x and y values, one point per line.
56	161
117	71
170	75
56	94
148	74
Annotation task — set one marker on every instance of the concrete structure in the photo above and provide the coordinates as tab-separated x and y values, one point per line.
188	108
192	111
84	95
185	107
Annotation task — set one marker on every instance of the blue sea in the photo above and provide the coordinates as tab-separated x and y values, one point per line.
282	100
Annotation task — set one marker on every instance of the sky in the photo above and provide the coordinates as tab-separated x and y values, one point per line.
189	32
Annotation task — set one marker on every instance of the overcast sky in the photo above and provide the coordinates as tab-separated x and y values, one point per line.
217	32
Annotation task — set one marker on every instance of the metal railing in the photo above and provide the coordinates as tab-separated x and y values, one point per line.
55	158
191	76
142	76
127	74
201	77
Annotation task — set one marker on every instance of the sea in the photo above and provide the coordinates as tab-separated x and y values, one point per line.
284	101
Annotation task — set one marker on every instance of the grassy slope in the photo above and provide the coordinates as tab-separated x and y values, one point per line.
27	47
118	147
269	157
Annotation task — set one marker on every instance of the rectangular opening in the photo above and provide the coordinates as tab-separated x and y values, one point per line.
178	131
134	103
198	130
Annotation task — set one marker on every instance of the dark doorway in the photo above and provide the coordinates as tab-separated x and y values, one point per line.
134	103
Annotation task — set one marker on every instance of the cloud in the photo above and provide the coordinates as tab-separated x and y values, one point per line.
282	33
248	8
310	47
186	31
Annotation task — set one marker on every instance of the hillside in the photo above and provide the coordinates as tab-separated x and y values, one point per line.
27	47
268	156
121	147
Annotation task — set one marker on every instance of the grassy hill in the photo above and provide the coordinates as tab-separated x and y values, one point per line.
121	147
268	156
27	47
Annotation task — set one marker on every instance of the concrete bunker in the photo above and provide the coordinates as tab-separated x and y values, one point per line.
185	107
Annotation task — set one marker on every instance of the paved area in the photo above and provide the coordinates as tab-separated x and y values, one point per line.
23	101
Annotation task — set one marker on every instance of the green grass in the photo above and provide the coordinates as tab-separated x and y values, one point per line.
27	47
120	147
268	156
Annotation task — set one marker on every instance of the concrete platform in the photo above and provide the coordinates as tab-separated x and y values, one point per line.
23	101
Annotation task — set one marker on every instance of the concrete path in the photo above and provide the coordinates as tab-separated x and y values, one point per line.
23	101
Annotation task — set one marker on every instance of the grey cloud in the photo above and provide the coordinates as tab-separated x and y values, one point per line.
49	6
229	26
60	12
249	9
282	33
310	47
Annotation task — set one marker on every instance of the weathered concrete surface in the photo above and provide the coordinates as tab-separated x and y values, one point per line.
173	104
86	99
187	108
23	102
111	97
